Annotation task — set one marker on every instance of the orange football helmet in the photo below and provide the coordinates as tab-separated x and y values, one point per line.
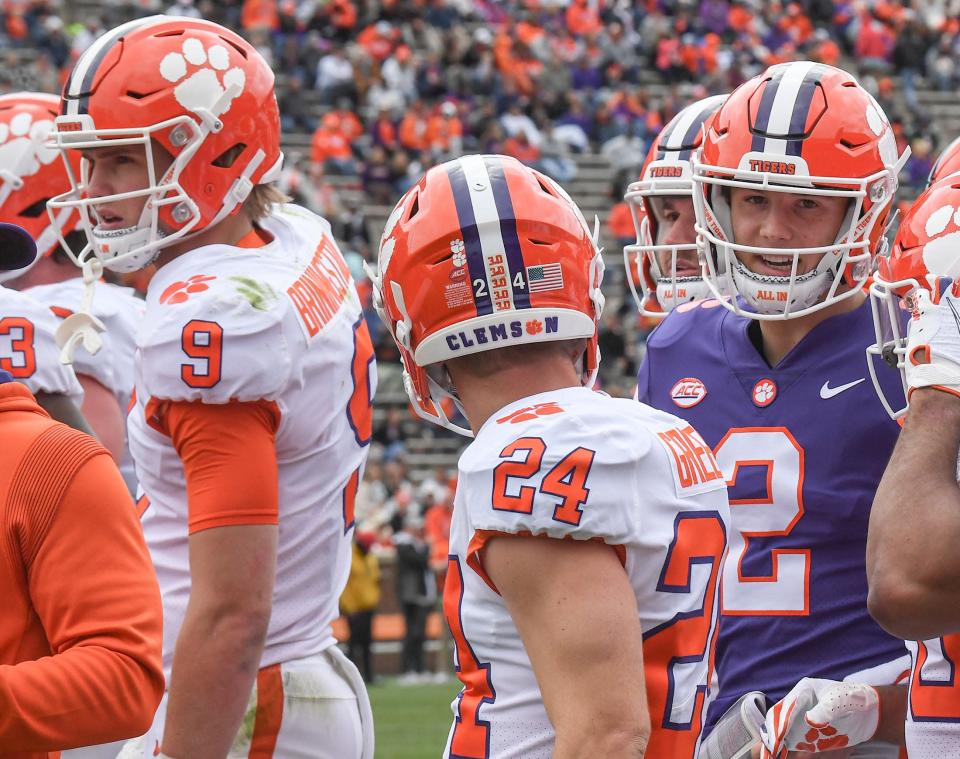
947	163
666	172
484	252
925	254
31	172
801	128
196	89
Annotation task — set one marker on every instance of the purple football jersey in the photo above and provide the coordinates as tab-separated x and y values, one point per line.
803	446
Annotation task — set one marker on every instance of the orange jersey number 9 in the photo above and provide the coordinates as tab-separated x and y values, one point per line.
203	342
699	539
20	331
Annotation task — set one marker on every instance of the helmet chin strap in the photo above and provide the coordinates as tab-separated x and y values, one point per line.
82	326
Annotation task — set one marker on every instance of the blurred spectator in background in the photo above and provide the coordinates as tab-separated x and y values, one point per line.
555	160
413	128
445	132
359	601
416	591
520	147
330	147
909	55
378	178
294	110
335	76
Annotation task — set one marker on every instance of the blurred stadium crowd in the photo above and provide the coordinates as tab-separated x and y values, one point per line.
373	92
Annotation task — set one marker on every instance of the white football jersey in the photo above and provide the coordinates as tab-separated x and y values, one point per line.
28	349
933	707
577	464
280	323
120	310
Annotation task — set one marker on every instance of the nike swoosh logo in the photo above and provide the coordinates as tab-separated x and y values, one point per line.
828	392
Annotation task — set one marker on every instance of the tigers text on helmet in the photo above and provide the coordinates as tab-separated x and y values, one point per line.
483	253
925	254
666	174
800	128
190	87
31	172
947	163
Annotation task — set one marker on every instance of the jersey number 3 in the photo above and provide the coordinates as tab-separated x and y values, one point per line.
20	331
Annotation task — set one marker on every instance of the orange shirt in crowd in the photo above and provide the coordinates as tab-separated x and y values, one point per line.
343	14
413	132
385	133
328	143
81	628
521	150
582	19
259	14
378	46
620	222
828	52
436	525
441	130
349	125
740	18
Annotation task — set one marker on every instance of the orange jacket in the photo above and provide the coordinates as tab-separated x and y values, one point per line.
260	14
81	627
326	144
413	132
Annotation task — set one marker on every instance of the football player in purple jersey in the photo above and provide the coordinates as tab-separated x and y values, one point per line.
792	189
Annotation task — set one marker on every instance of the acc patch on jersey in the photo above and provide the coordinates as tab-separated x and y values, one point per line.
688	392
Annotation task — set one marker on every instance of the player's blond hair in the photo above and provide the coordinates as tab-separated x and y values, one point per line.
261	200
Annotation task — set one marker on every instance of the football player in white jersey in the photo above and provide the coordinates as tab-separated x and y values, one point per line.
31	173
254	377
28	349
912	560
588	532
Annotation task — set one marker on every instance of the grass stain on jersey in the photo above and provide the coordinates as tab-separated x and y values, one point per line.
258	294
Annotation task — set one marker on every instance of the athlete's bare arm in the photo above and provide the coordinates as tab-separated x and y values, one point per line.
103	412
912	558
585	646
218	652
64	410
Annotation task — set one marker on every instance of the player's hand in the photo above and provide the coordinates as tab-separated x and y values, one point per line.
820	715
933	337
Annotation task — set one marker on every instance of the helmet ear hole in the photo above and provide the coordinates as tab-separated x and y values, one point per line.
546	187
229	156
35	209
414	207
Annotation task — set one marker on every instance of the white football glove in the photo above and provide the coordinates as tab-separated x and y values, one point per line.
820	715
933	340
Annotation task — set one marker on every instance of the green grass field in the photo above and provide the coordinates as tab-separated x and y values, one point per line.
411	721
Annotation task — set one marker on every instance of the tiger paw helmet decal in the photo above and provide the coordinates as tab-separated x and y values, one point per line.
202	76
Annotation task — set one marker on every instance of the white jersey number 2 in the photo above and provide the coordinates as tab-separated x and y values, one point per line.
773	513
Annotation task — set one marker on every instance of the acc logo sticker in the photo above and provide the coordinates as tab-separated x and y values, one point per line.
688	392
764	392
